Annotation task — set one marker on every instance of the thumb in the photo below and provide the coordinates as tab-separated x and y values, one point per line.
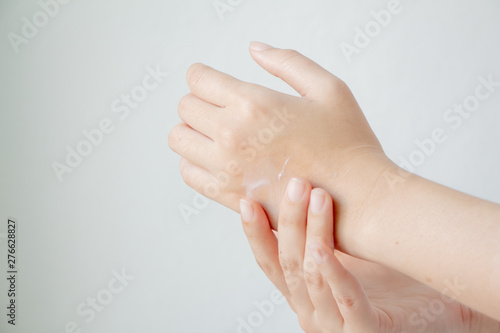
308	78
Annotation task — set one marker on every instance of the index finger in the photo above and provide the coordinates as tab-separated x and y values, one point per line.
263	243
211	85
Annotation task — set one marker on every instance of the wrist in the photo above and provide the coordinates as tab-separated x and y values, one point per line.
358	189
373	237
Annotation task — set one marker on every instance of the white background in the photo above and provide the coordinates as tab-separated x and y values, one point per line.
119	209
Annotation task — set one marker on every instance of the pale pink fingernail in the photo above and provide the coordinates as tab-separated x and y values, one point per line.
258	46
317	201
295	190
246	209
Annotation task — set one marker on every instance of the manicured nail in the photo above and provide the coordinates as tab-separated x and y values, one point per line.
317	253
317	201
246	210
258	46
295	190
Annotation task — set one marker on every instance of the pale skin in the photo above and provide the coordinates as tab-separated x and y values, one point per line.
239	140
339	293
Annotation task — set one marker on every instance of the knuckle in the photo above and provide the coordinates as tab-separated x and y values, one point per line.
183	104
179	143
291	267
288	57
336	86
314	279
346	301
173	138
267	268
256	112
310	265
252	232
306	323
187	176
248	109
196	75
229	138
287	220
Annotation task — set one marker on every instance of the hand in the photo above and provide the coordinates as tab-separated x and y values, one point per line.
333	292
239	139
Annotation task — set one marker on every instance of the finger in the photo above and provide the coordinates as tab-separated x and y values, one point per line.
194	176
208	184
349	295
292	238
304	75
193	146
320	231
199	114
211	85
263	243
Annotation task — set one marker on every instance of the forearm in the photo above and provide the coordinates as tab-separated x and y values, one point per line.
439	236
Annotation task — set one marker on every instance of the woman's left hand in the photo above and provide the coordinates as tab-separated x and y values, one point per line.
333	292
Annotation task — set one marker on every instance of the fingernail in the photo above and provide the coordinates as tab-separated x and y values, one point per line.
246	210
258	46
317	253
295	190
317	201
